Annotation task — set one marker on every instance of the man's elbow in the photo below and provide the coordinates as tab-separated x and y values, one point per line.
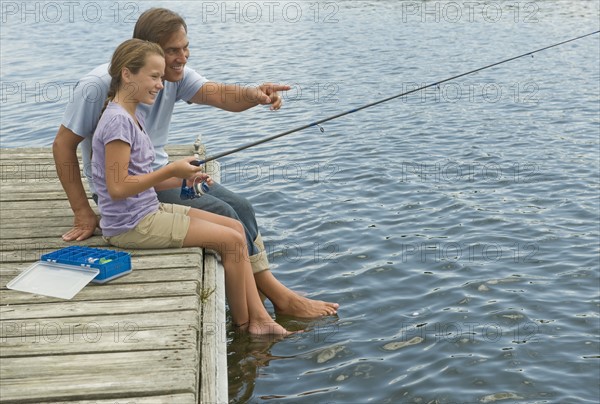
57	146
65	141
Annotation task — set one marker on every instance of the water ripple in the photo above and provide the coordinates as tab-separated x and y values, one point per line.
457	227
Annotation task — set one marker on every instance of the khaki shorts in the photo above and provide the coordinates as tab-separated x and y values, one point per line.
165	228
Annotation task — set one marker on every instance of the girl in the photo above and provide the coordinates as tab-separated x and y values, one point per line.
126	187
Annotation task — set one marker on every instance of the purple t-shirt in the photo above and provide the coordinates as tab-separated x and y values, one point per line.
123	215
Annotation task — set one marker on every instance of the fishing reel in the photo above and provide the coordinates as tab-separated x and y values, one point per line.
197	189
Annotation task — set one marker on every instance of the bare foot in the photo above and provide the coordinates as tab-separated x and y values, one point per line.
300	306
267	328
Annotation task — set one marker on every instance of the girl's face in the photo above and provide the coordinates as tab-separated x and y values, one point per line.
147	82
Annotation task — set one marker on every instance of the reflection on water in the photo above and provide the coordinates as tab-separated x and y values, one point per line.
457	227
245	358
247	355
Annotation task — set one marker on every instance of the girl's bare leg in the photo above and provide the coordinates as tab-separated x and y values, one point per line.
203	233
226	236
260	320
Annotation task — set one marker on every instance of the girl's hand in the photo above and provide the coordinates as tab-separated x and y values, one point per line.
184	169
201	177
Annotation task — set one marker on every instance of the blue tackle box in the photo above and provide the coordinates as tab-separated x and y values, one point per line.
110	263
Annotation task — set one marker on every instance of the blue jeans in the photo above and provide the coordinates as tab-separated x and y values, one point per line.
223	202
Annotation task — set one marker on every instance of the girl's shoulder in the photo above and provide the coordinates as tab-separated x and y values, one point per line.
115	123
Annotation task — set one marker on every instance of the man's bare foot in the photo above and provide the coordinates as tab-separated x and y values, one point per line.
267	328
300	306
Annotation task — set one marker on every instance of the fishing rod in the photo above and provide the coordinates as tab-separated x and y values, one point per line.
199	189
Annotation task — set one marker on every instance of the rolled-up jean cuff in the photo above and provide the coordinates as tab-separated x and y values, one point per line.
259	262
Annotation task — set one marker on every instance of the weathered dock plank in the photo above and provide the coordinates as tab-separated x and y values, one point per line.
156	335
121	326
171	399
115	383
77	337
214	333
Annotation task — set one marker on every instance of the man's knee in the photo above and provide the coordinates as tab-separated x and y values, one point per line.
222	209
242	206
207	203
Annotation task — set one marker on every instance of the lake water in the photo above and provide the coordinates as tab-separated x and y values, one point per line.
457	227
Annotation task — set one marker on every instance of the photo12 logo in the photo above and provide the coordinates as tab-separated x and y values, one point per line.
469	11
54	332
518	252
269	11
318	252
54	12
454	172
455	332
23	92
316	172
458	92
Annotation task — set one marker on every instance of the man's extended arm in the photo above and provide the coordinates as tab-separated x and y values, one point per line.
237	98
64	149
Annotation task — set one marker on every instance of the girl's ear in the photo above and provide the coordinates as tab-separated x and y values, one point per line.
125	75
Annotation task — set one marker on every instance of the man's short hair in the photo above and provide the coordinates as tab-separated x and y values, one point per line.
157	25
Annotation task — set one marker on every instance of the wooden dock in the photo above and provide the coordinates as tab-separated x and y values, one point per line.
156	335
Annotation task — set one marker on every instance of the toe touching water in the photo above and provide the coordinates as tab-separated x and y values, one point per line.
300	306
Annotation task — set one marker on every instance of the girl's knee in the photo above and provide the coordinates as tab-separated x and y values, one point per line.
240	235
236	225
239	227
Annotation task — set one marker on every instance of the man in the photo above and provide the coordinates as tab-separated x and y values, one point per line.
169	30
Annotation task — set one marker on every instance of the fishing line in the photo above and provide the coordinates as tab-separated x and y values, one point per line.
199	189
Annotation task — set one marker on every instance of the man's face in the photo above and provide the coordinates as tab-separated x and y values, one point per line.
177	52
